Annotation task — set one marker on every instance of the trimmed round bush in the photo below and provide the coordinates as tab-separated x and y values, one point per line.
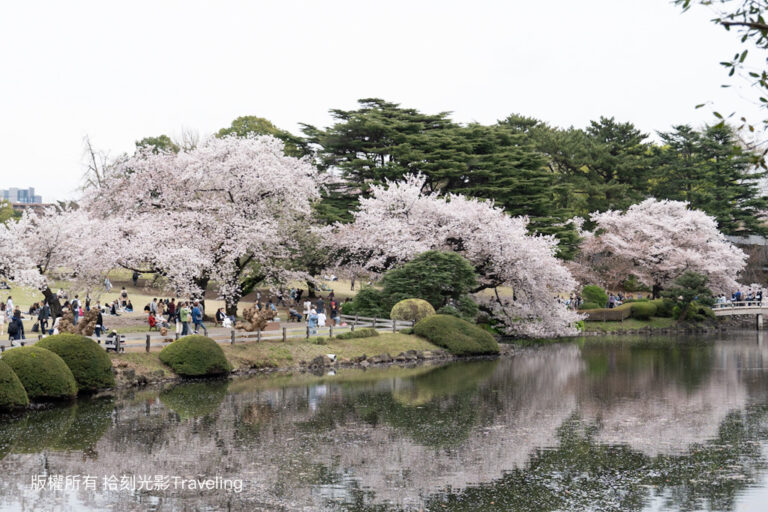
595	294
44	375
643	310
457	336
88	362
12	393
411	310
195	356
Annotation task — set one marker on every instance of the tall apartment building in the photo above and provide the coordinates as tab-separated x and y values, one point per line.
20	195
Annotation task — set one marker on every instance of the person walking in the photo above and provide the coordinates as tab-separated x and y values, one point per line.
75	309
107	284
171	310
312	321
184	315
197	318
3	318
9	306
16	327
307	309
42	317
153	306
320	305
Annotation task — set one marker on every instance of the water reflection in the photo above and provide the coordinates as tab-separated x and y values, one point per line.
604	425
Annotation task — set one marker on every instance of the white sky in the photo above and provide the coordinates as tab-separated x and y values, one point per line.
120	71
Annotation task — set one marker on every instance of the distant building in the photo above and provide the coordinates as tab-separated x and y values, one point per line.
20	195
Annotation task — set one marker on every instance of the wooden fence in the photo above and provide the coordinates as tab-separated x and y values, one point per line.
233	336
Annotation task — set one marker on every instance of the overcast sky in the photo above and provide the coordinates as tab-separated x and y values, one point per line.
120	71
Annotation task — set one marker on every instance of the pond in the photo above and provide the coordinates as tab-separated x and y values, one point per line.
598	424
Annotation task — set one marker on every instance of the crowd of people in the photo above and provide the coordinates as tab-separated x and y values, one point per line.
748	298
186	316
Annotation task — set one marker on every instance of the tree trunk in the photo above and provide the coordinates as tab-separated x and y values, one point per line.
230	307
53	302
311	290
202	283
656	291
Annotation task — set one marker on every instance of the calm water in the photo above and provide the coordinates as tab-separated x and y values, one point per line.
599	425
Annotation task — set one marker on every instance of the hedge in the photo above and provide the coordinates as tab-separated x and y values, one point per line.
195	356
595	294
616	314
12	393
664	307
88	362
366	332
44	374
590	305
411	310
457	336
643	310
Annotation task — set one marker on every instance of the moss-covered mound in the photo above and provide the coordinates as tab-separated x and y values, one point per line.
195	356
457	336
411	310
44	375
88	362
12	394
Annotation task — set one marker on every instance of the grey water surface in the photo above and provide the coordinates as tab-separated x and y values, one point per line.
597	424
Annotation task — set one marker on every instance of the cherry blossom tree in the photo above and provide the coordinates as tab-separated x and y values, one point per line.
657	241
399	221
37	246
220	212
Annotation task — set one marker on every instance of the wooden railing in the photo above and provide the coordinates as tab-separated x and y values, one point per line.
233	336
747	304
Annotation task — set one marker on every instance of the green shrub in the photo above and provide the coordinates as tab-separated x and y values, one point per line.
411	310
318	340
595	294
348	308
664	307
366	332
590	305
369	302
12	394
616	314
43	374
407	330
643	310
449	310
458	336
195	356
433	276
88	362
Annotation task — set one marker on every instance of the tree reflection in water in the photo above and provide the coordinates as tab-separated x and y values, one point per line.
598	425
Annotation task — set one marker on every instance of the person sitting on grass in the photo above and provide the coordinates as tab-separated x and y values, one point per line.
129	307
293	314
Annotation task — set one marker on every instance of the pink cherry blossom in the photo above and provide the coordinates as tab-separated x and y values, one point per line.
399	221
659	240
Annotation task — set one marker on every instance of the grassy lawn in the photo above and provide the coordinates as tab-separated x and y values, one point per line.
630	323
271	354
276	353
